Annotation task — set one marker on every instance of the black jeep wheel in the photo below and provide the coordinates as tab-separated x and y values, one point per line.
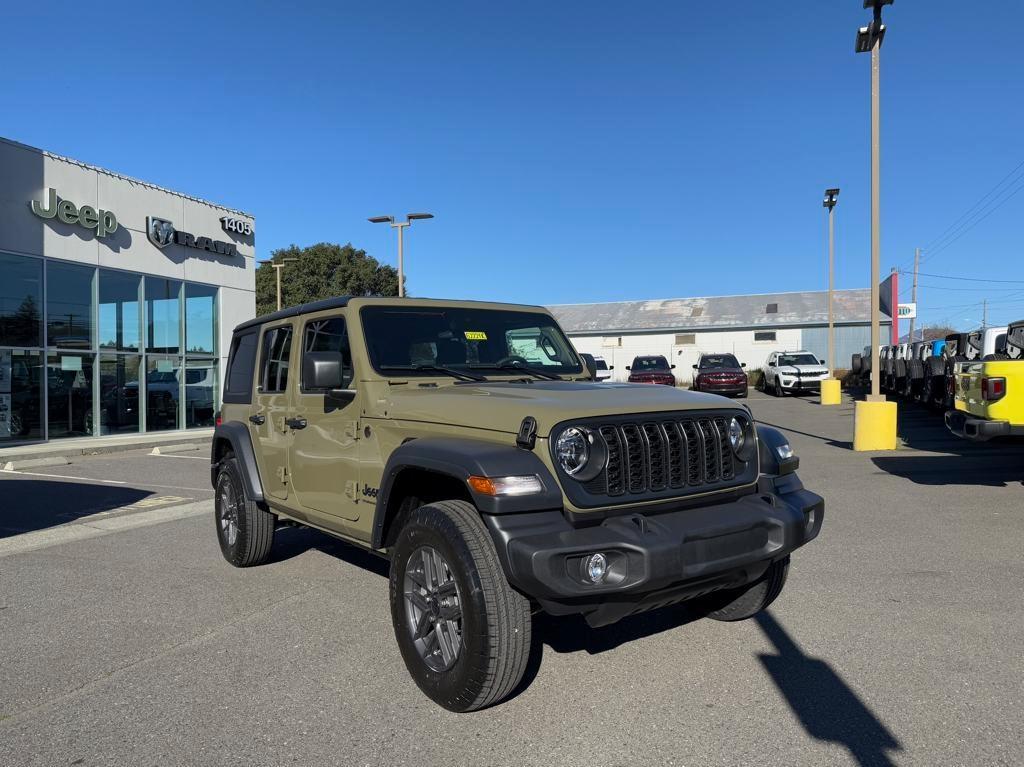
464	633
746	602
779	391
244	529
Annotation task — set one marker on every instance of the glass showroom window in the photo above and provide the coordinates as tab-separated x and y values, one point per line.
21	369
163	316
120	330
69	394
69	322
120	385
163	393
200	319
200	392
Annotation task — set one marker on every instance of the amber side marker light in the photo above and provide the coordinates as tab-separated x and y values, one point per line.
502	486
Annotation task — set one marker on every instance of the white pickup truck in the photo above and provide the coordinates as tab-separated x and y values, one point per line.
793	372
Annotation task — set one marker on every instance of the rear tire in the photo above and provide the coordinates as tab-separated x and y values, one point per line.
463	631
245	530
747	601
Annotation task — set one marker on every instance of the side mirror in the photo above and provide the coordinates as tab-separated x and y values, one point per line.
590	364
628	367
611	367
822	361
325	371
743	364
672	366
694	367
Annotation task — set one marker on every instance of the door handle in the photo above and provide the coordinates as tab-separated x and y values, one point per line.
258	420
296	423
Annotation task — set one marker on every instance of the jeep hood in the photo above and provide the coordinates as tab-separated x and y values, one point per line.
502	405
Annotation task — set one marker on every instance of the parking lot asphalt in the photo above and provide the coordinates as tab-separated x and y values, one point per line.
896	641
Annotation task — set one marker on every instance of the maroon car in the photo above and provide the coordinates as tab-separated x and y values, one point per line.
720	374
651	370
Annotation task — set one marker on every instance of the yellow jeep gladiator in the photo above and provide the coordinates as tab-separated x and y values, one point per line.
989	393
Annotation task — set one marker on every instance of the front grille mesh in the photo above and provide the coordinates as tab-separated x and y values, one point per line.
657	455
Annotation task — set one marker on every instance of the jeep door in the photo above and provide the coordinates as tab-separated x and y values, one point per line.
268	419
323	459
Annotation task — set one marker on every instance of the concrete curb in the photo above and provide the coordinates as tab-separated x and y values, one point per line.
101	446
33	463
79	531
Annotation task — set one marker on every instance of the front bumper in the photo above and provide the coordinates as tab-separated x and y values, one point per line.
657	559
722	388
802	384
979	429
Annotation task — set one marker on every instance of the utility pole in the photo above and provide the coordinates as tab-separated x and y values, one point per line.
913	291
984	313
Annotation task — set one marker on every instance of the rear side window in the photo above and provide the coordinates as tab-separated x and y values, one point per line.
241	362
277	349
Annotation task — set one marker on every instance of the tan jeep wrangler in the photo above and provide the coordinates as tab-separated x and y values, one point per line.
468	443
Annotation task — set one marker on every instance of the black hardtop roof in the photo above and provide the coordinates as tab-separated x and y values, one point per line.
336	302
339	302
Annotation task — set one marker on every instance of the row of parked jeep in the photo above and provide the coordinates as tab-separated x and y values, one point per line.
976	378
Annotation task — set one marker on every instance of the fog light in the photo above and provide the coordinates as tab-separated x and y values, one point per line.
595	568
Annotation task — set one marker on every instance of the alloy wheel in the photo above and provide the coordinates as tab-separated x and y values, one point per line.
228	514
433	608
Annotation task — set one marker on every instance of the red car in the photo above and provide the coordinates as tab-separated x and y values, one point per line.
651	370
720	374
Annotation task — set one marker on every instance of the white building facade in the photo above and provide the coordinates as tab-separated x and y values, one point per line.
751	327
117	300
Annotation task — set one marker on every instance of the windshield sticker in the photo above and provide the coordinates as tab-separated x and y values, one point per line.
475	335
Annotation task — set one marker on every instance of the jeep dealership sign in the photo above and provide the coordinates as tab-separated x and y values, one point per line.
103	221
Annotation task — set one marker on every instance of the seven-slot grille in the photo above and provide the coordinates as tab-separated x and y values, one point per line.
655	455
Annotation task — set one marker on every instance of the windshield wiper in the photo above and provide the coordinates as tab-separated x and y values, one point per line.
519	367
459	374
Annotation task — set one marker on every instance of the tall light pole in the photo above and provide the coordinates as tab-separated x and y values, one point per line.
869	38
400	226
278	266
831	198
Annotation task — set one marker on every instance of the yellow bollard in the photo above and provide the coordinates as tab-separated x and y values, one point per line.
874	426
831	393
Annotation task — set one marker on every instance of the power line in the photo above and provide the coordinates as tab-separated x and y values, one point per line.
935	251
967	279
974	207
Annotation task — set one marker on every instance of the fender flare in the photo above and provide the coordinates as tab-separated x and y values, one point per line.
463	458
237	433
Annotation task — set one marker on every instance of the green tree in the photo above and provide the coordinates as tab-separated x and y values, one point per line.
935	332
322	271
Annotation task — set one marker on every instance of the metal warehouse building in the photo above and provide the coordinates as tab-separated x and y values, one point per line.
751	327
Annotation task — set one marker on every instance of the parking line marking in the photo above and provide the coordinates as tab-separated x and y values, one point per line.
63	476
190	457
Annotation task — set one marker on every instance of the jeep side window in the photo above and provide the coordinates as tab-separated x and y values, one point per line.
277	346
328	335
241	365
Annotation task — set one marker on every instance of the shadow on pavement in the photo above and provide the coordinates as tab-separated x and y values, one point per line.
36	504
291	541
572	634
825	705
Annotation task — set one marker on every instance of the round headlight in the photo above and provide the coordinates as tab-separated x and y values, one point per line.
737	435
572	449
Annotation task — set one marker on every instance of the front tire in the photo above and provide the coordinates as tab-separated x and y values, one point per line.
747	601
779	391
463	631
244	529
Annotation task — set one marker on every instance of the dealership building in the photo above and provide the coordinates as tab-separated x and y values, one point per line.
751	327
117	300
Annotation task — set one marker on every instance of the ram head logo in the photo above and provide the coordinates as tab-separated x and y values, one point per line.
160	231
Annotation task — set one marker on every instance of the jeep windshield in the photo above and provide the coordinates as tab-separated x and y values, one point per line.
718	362
423	341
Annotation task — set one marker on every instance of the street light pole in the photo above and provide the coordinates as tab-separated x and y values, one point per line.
831	198
869	38
400	226
277	270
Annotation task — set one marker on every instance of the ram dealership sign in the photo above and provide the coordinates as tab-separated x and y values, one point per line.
162	233
103	221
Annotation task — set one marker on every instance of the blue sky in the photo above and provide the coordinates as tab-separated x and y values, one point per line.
571	152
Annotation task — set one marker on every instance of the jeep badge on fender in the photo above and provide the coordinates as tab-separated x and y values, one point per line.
498	478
